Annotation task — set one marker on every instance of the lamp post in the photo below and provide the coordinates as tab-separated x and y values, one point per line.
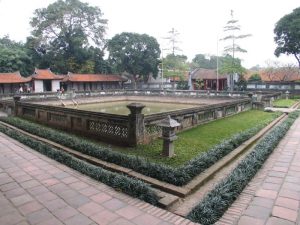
162	69
217	62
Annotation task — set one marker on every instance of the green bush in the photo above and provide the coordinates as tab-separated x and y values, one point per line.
177	176
130	186
217	201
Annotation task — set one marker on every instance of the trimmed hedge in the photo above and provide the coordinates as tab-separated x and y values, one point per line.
130	186
177	176
217	201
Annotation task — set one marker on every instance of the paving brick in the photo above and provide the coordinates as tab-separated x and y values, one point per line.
104	217
78	185
101	197
55	204
37	190
9	186
121	221
289	194
30	184
90	208
22	199
52	221
68	194
77	201
276	174
89	191
69	180
146	219
280	168
266	193
258	212
50	182
114	204
78	219
45	197
264	202
65	213
287	203
129	212
14	193
278	221
271	186
39	216
285	213
30	207
11	218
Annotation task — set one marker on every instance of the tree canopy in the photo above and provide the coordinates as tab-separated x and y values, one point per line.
175	66
287	35
136	54
14	57
63	35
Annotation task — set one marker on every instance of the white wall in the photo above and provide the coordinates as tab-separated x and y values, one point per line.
55	85
38	86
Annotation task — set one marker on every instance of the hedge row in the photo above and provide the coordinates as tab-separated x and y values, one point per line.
177	176
217	201
130	186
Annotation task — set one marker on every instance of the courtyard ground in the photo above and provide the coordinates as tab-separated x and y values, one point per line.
37	190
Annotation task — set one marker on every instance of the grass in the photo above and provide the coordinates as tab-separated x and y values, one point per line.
284	103
192	142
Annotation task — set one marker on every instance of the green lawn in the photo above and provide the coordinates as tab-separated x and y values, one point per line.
284	103
194	141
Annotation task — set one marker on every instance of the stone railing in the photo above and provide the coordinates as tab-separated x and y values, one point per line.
192	117
124	130
117	129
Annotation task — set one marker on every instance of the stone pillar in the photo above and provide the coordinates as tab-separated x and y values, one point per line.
287	93
17	98
168	135
136	124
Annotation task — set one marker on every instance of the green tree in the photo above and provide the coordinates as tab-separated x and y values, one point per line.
175	66
254	77
231	65
63	34
14	57
287	35
231	29
136	54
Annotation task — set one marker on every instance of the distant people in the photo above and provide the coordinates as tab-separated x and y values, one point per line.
62	90
21	89
28	89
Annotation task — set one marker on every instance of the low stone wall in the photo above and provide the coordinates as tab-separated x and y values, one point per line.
134	128
189	118
106	127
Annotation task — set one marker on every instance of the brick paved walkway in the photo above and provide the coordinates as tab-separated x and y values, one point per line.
273	196
37	190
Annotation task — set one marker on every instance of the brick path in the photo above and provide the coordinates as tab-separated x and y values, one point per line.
37	190
273	196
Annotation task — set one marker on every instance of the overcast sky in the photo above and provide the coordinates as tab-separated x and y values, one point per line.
200	23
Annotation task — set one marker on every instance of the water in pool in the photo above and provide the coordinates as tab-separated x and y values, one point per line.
121	109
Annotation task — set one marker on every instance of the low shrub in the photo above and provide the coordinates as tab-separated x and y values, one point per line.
130	186
177	176
217	201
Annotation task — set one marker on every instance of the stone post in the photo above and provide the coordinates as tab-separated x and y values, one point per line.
136	124
168	135
17	98
287	93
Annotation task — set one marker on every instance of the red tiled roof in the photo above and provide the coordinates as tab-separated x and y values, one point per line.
207	74
45	75
72	77
9	78
276	75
